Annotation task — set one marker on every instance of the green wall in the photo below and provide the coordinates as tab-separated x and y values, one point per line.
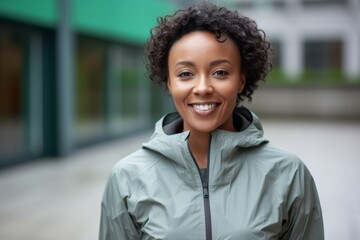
127	20
119	18
41	12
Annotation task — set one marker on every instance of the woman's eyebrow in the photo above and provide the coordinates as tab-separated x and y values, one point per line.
185	63
220	61
213	63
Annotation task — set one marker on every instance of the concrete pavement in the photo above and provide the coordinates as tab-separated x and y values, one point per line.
331	151
60	199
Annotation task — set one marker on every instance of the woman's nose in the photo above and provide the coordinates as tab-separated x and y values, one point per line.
203	87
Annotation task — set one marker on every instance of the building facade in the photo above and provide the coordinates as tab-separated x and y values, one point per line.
314	39
72	73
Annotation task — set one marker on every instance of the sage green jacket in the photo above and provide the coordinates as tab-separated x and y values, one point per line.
253	189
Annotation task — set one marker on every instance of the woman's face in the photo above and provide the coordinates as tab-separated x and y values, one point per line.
204	80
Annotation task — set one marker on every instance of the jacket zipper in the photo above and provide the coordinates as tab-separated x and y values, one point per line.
205	186
207	207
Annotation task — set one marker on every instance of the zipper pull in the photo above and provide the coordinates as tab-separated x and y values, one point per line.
205	189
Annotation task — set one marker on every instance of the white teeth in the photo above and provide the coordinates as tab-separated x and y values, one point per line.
204	107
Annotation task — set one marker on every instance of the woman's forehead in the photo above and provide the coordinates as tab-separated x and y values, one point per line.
201	44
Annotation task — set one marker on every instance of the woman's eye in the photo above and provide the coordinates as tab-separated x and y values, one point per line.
221	73
185	74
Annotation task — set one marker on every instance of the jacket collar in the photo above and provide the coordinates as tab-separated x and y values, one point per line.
170	141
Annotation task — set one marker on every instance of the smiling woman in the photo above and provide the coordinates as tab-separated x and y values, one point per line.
208	172
205	82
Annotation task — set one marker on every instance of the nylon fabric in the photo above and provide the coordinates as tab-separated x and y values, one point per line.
256	190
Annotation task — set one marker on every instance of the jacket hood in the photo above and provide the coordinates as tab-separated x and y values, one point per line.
169	140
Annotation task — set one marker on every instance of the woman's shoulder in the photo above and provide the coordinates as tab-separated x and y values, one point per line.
137	164
137	160
272	152
132	172
278	160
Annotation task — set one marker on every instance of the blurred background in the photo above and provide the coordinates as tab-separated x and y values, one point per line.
74	94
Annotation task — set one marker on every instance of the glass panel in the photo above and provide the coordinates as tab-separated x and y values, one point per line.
161	101
12	71
276	54
129	77
276	74
90	88
324	2
125	79
243	4
323	60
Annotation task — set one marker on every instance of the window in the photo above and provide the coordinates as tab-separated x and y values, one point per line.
323	60
324	2
276	74
113	94
276	54
243	4
12	69
90	88
130	100
20	93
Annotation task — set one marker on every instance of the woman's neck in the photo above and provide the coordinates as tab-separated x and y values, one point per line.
199	145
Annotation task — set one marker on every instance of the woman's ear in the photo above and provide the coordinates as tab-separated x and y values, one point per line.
242	82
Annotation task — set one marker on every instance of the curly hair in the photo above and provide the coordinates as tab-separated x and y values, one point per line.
250	40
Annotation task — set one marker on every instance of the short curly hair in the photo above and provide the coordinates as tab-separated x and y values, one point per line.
250	40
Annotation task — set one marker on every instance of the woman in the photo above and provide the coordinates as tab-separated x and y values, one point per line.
207	172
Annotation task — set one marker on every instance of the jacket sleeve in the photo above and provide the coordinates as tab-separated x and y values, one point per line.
115	221
304	216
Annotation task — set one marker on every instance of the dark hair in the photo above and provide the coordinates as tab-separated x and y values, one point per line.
206	16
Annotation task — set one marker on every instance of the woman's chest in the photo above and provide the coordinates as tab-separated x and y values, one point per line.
235	211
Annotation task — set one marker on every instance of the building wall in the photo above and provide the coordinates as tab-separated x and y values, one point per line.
125	20
322	102
316	57
297	23
72	74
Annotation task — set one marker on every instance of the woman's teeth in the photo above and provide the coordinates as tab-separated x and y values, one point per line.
204	107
